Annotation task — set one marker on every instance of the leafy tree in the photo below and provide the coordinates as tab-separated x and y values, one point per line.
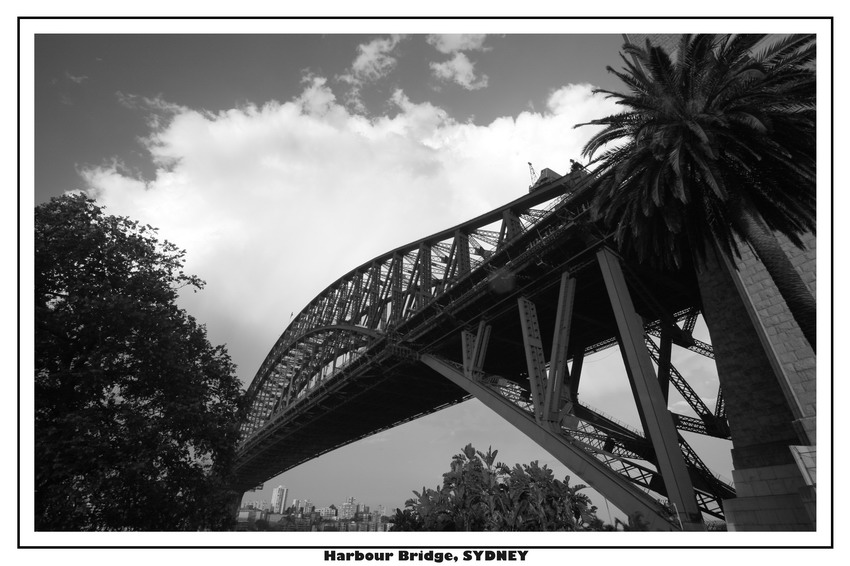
480	495
261	525
136	413
407	519
716	146
636	522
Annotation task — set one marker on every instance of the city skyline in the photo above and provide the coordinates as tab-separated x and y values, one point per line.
303	503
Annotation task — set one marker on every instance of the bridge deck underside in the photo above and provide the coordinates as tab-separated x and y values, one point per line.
378	397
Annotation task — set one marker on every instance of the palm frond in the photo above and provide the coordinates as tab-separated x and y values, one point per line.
717	127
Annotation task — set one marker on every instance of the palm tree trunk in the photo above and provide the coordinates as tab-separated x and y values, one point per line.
797	296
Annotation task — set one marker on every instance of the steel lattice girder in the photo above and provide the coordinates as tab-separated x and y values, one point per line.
426	314
375	286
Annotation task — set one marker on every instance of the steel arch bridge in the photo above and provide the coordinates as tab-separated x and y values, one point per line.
504	308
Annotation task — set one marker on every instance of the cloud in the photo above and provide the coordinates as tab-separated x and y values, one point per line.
373	62
273	203
461	71
157	110
76	78
451	43
152	104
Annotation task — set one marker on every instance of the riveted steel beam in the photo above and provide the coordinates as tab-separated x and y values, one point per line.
511	227
656	418
475	350
663	361
559	374
534	356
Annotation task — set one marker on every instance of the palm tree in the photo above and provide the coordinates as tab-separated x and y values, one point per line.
714	148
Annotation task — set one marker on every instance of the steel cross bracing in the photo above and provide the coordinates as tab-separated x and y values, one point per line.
612	443
372	349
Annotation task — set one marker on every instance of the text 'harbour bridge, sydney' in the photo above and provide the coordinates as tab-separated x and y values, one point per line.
503	308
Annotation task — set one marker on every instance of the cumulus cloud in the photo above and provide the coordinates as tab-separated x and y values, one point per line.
451	43
459	70
374	61
273	203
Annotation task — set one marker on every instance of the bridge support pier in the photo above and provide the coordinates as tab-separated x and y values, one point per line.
773	456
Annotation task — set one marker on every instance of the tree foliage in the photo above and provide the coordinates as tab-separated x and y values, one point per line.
712	148
479	494
136	414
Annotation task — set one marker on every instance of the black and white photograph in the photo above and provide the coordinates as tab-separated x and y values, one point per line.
425	289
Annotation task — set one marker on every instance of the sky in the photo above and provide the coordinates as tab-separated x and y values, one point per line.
281	160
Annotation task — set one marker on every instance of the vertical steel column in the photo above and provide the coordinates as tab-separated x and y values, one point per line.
659	423
343	300
395	289
353	309
467	345
482	340
474	350
534	357
575	372
462	254
511	226
373	296
664	362
558	370
423	294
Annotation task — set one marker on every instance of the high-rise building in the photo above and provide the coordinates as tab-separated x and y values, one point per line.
279	495
348	509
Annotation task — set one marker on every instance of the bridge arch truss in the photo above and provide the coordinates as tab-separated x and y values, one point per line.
504	307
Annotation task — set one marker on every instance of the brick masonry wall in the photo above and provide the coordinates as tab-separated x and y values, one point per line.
793	352
770	397
759	414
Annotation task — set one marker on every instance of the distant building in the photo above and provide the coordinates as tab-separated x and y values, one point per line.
348	510
302	506
257	504
250	515
279	495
